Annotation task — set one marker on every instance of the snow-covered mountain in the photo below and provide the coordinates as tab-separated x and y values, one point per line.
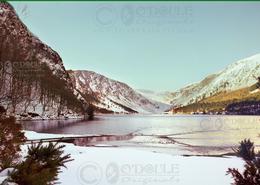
35	82
163	97
237	75
33	79
113	95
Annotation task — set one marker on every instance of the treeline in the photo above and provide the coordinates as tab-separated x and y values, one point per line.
26	78
244	108
214	107
241	101
23	84
249	107
56	89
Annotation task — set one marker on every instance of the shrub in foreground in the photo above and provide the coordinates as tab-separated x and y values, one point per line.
11	137
251	174
41	166
246	150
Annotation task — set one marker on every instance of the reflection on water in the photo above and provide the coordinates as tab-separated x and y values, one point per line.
94	140
48	126
184	134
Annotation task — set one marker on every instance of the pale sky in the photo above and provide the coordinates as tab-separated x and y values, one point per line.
156	46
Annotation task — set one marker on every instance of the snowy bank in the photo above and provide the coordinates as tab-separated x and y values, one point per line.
103	166
31	135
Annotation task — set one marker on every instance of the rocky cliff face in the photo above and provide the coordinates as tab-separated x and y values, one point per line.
33	79
34	82
112	95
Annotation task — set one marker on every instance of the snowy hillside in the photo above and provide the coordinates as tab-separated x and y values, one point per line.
172	169
164	97
34	81
235	76
113	95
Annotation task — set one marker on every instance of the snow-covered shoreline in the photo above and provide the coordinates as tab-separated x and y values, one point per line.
37	118
115	165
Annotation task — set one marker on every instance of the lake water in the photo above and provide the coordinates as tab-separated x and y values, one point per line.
182	135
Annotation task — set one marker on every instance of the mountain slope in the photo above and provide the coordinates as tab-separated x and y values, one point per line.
219	102
235	76
113	95
163	97
33	79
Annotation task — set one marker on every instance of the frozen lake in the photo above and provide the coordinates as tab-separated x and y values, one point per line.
180	135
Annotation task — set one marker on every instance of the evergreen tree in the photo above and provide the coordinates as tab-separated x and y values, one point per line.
251	174
246	150
41	165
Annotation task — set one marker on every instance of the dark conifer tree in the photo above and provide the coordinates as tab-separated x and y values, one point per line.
251	174
41	166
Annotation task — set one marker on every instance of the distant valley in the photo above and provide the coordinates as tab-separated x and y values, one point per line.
35	83
110	96
236	83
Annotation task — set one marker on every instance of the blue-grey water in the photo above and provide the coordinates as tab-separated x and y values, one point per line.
185	134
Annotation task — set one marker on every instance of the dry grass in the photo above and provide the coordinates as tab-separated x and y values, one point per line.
237	95
218	102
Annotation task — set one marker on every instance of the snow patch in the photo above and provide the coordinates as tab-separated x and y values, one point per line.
93	163
115	96
237	75
255	91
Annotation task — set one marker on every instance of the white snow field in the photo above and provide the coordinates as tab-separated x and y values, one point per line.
114	165
239	74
